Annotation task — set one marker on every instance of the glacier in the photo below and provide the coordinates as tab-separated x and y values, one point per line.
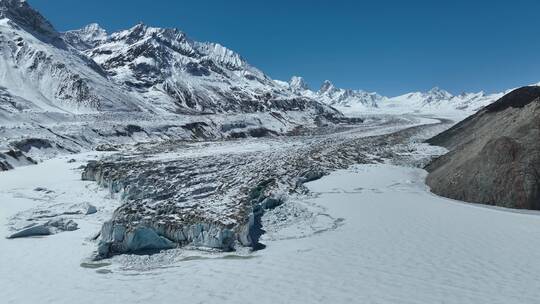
141	166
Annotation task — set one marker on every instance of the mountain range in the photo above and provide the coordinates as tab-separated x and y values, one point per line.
142	69
162	71
435	100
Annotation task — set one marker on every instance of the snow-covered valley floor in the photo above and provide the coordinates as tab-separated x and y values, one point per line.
377	236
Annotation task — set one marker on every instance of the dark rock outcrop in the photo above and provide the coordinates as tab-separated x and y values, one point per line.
494	155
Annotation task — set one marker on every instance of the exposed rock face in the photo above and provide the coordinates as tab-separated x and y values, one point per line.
14	158
494	155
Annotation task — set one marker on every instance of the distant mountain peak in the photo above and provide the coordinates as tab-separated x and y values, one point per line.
437	94
95	29
87	37
298	84
326	86
438	91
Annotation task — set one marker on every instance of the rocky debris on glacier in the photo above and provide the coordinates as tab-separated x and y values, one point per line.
217	199
494	155
120	131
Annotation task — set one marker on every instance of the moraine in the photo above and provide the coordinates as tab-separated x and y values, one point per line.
214	194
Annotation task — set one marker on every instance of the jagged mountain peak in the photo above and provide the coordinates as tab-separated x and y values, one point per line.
168	69
330	94
143	31
298	84
86	37
221	54
178	41
20	12
161	43
326	86
438	92
94	30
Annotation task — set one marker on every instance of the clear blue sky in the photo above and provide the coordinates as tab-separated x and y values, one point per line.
386	46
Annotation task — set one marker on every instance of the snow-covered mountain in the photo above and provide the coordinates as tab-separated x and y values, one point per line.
298	84
346	97
434	101
40	72
87	89
437	100
142	69
87	37
333	96
171	71
161	72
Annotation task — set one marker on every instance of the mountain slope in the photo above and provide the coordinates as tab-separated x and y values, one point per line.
143	68
40	72
85	89
177	74
494	155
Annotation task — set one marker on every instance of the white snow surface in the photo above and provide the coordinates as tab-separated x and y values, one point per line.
392	242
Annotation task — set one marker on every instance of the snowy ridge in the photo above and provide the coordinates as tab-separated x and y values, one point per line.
39	72
333	96
174	73
163	71
87	37
346	97
434	101
440	101
141	69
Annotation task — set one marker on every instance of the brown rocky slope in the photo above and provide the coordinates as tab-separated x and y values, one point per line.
494	154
